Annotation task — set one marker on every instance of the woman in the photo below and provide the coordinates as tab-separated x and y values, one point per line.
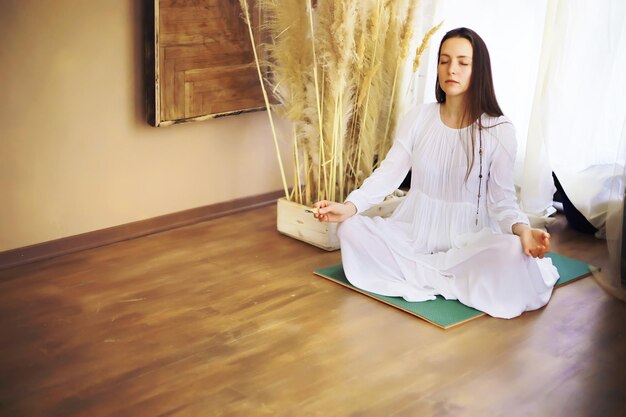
460	232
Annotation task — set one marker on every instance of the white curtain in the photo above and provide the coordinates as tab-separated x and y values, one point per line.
537	186
575	128
579	106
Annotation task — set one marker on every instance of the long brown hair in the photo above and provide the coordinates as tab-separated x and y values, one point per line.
480	96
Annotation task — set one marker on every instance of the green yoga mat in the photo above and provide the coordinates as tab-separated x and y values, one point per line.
449	313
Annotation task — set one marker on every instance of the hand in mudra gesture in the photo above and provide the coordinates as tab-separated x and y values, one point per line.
329	211
535	242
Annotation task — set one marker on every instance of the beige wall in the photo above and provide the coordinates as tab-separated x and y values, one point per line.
76	154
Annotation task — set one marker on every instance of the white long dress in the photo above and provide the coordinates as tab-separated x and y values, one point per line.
441	240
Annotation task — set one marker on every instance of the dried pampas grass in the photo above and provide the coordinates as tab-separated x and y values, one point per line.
335	66
425	41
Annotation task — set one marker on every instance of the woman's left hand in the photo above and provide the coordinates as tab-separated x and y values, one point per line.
535	242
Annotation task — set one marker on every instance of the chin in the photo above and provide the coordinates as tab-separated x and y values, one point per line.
453	92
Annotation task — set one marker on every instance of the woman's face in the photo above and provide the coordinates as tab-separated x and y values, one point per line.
455	66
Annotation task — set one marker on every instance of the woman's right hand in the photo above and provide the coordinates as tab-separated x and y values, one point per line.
329	211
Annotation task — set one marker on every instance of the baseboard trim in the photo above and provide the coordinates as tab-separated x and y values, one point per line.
53	248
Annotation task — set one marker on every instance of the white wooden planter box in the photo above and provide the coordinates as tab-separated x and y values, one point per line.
292	220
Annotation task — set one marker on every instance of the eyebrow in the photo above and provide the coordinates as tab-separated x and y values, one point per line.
460	56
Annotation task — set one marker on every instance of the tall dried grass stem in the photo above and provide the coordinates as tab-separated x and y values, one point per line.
246	17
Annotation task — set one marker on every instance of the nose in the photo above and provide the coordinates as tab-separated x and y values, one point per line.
452	69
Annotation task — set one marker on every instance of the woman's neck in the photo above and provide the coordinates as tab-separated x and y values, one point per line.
452	112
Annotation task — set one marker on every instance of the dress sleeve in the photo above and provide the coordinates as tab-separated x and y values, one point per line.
501	198
392	171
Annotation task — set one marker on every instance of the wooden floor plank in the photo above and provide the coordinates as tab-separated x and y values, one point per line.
225	318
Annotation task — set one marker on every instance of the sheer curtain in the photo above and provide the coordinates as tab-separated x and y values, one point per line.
579	106
560	75
576	126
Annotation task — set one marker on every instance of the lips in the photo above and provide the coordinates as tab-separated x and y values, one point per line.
451	82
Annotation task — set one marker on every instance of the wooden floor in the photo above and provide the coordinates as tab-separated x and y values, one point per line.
225	318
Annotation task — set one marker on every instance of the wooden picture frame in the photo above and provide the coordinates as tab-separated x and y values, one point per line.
200	61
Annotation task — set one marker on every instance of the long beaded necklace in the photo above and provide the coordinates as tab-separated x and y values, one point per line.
480	169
